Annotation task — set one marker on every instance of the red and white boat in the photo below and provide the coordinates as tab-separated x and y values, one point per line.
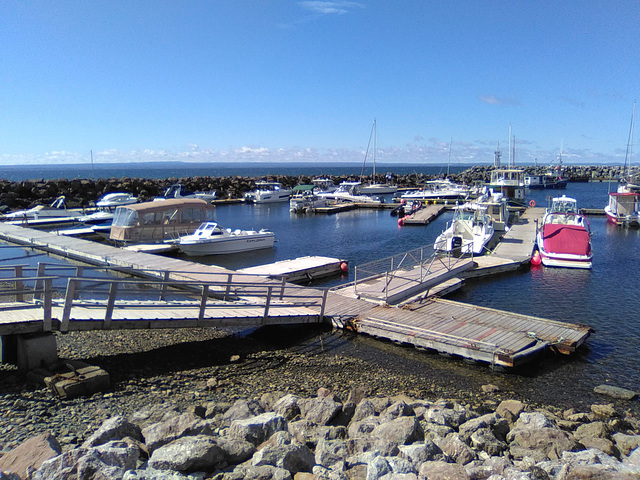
564	238
624	208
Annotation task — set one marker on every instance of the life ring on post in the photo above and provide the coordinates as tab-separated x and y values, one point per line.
532	203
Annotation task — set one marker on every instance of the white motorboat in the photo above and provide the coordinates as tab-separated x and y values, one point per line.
57	209
497	209
212	239
324	185
178	190
468	233
375	188
564	238
268	192
441	189
348	192
305	199
112	200
624	204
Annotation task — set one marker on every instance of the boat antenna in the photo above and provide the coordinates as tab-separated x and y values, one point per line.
509	164
373	129
496	157
93	172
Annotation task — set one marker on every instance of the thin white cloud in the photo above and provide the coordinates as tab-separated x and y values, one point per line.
495	100
331	8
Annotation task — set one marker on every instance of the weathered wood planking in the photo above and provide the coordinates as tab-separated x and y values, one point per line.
424	216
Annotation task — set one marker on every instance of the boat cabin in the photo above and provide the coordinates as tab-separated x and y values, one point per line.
509	182
156	222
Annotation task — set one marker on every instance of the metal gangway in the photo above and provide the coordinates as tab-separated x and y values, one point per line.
398	277
54	297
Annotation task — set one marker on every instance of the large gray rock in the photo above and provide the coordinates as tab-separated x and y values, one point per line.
363	427
626	443
492	421
108	461
418	453
235	450
291	457
395	410
541	443
114	428
402	431
510	410
364	409
456	449
152	474
242	409
154	413
288	406
188	454
485	439
442	471
590	430
330	452
167	431
533	420
257	429
258	472
446	416
615	392
321	410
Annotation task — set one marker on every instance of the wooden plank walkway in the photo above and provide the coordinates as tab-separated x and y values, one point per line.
498	338
26	317
424	216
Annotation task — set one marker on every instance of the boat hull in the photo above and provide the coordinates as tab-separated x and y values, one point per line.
243	243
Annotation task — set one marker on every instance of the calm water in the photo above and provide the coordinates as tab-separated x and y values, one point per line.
606	298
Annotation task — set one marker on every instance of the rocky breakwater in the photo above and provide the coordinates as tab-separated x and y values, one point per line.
290	437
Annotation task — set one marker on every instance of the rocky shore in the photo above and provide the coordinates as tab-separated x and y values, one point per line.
83	193
287	436
206	403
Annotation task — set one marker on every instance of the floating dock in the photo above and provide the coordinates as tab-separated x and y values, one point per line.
303	269
424	216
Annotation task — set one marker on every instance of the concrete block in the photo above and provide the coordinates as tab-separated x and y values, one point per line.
35	351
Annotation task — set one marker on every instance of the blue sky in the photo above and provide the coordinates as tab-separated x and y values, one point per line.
302	81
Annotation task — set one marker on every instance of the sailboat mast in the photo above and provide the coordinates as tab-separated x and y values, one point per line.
627	157
373	180
449	161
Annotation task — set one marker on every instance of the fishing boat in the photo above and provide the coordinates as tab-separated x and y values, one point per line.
268	192
212	239
349	192
305	199
510	183
624	209
468	233
375	188
564	238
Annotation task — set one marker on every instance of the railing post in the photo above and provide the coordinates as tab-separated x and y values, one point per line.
19	284
267	303
203	302
228	290
46	322
355	280
38	283
324	304
68	303
165	286
282	288
111	301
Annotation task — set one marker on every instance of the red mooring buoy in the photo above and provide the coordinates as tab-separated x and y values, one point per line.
344	267
536	260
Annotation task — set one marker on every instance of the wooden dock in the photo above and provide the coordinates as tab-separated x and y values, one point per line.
300	269
424	216
498	338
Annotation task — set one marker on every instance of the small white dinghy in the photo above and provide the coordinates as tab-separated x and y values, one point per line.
212	239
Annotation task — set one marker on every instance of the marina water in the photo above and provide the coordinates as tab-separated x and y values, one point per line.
605	298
